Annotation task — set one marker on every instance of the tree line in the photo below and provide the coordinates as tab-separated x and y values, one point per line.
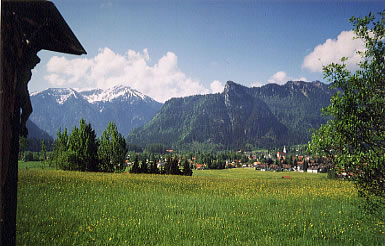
33	149
212	160
81	150
171	166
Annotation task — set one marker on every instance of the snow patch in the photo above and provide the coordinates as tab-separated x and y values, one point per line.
62	95
35	93
115	93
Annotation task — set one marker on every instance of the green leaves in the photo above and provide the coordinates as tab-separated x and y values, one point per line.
355	137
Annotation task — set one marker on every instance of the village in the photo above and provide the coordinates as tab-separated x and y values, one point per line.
276	161
281	161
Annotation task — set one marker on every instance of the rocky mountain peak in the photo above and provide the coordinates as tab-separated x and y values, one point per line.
63	107
230	85
60	95
115	93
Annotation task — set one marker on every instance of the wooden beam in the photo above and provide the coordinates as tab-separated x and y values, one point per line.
1	123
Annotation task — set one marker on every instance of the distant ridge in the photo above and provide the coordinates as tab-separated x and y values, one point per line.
56	108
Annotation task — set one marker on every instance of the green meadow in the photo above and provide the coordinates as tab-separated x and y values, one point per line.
213	207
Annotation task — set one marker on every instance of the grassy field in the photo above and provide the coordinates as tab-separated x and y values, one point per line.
32	164
213	207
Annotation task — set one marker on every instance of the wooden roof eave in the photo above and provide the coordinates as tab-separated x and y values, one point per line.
42	22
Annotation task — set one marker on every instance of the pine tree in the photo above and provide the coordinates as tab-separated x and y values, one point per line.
23	144
187	171
60	147
153	167
143	166
135	166
43	152
112	150
174	169
74	150
78	151
89	145
167	166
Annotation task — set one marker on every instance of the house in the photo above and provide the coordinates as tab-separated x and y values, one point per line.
257	163
286	166
274	167
260	166
300	165
282	155
160	164
230	164
312	170
200	166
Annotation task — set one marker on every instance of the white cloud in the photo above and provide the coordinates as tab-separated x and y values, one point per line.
281	78
278	78
257	84
160	81
55	79
70	71
216	86
333	50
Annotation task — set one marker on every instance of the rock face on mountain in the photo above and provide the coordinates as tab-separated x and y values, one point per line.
240	116
63	108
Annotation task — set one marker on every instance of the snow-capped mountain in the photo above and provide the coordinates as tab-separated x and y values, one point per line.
122	93
56	108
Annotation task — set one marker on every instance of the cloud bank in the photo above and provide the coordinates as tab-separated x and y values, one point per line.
281	78
332	50
160	81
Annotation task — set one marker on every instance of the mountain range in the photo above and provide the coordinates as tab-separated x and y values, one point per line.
59	108
264	116
267	116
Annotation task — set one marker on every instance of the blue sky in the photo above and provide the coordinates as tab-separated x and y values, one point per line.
178	48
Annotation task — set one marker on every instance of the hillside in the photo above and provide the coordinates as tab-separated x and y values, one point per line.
35	137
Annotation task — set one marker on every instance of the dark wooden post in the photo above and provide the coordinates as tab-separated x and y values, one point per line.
10	125
26	27
1	120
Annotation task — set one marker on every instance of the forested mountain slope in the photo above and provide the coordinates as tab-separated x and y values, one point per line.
240	116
